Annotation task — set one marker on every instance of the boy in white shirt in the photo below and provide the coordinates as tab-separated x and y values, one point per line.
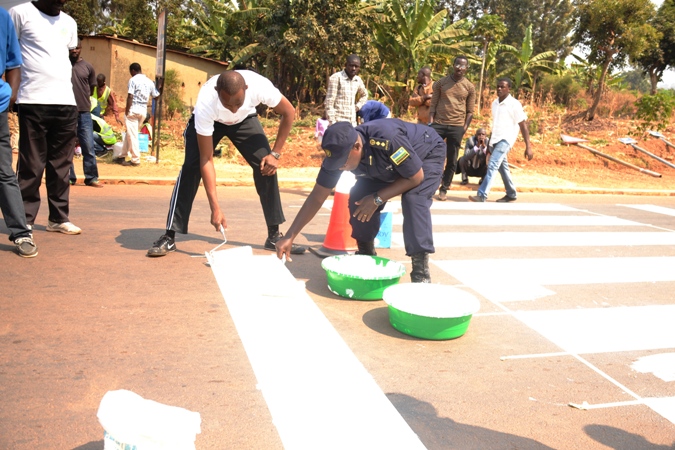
138	93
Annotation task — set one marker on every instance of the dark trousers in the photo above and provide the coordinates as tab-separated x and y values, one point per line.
464	166
453	141
250	140
85	134
11	204
415	205
46	144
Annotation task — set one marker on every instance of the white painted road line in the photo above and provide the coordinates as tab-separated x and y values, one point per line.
653	208
601	330
530	221
663	406
545	239
318	393
530	279
492	206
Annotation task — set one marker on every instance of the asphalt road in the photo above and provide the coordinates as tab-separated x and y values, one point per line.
576	304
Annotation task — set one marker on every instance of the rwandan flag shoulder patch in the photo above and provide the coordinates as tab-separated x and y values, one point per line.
399	156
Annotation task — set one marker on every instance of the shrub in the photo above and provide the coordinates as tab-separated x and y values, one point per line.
655	111
563	89
171	93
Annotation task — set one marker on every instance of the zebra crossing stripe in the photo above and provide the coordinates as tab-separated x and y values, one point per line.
653	208
492	206
505	220
545	239
531	279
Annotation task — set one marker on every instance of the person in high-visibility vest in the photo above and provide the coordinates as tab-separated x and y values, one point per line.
104	98
103	135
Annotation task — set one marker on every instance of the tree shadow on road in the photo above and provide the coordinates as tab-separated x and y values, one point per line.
619	439
444	433
93	445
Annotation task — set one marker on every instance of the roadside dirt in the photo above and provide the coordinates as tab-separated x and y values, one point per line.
554	164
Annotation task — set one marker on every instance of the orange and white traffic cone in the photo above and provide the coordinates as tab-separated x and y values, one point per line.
339	240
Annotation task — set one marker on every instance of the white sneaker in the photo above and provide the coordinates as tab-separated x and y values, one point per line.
65	227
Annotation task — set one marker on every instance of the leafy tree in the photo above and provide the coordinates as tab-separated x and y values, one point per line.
489	29
612	30
661	52
86	13
636	80
551	20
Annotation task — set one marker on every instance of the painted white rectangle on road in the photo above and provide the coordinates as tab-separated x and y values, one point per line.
492	206
513	280
664	406
318	393
653	208
602	330
545	239
531	221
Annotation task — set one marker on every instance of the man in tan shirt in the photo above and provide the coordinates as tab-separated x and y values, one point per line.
421	96
450	114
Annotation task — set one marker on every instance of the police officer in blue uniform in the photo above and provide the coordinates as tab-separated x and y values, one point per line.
389	157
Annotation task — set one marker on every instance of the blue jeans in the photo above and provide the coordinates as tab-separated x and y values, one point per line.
85	134
498	162
11	203
99	146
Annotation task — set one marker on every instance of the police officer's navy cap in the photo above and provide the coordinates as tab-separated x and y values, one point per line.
337	142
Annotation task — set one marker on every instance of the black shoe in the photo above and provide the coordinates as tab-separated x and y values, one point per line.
506	199
366	248
295	249
464	182
164	245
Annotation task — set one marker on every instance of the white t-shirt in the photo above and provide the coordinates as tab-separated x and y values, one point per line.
46	70
209	109
141	88
505	119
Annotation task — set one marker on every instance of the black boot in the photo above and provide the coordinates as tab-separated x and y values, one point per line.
366	248
420	268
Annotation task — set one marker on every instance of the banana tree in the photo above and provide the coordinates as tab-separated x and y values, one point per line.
527	65
409	35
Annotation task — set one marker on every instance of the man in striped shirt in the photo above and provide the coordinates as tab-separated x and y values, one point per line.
343	87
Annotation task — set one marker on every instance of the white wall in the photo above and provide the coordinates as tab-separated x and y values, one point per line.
9	3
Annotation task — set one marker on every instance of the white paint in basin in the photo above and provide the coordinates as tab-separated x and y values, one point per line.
431	300
363	266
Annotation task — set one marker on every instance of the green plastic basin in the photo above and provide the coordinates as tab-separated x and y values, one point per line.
361	277
430	311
